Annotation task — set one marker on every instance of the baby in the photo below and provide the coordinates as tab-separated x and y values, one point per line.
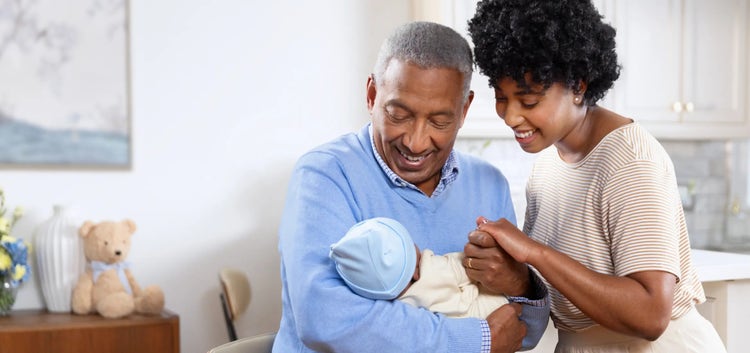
378	259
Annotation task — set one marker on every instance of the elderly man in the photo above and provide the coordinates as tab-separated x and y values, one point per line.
401	165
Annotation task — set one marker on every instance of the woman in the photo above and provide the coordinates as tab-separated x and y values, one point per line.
604	220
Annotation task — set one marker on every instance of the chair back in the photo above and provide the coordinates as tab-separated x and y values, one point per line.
255	344
235	297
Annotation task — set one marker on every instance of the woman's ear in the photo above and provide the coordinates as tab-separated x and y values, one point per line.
580	88
579	92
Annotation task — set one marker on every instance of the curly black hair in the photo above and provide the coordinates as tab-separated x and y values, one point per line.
555	41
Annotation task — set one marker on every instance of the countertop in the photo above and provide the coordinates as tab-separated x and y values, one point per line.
720	266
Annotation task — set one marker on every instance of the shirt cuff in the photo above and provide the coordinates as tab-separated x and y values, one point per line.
486	337
539	290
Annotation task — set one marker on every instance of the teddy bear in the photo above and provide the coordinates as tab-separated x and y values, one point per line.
107	286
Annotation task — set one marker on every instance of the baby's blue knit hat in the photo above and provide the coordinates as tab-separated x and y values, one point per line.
376	258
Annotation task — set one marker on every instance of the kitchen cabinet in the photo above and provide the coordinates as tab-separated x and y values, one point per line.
726	282
684	66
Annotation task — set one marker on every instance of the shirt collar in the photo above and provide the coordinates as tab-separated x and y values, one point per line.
448	174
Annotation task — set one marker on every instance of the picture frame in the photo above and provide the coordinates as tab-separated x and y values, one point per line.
65	84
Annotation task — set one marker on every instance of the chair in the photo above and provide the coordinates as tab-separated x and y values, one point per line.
255	344
235	297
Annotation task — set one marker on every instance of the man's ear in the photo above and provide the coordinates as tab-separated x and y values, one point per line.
465	109
372	91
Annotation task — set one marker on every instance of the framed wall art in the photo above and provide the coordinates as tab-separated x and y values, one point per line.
64	84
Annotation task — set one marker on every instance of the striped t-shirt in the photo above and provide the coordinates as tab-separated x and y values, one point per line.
617	212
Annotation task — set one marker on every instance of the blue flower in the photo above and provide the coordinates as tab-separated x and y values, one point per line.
14	253
18	270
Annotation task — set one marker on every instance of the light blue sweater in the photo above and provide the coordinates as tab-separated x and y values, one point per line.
339	184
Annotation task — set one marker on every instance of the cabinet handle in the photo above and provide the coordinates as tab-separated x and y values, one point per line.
677	107
689	106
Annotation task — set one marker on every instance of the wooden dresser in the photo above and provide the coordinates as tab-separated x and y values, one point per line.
39	331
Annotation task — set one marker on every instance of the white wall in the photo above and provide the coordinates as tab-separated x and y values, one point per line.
225	97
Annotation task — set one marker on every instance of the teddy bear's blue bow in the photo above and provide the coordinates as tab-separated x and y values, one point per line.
98	267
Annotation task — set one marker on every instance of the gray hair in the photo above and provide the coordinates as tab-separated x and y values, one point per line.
427	45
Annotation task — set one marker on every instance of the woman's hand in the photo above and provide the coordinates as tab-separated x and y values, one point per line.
639	304
515	243
489	264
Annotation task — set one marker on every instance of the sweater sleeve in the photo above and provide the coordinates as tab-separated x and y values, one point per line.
327	315
535	313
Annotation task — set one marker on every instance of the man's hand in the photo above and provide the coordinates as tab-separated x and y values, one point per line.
506	329
487	263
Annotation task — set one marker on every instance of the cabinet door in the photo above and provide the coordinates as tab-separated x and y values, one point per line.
715	70
648	47
685	67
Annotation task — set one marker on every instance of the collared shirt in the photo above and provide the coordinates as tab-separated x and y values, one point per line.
448	174
486	337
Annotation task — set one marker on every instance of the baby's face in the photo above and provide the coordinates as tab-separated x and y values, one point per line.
415	276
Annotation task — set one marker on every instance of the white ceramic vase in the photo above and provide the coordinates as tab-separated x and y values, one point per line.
60	258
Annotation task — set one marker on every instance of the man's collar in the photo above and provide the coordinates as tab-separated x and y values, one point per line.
448	174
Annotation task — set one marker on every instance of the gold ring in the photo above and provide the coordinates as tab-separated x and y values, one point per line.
468	263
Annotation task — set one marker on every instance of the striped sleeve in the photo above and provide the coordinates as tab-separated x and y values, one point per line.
639	214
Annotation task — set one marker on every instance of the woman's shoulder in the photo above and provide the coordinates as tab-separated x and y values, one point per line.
631	150
632	141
